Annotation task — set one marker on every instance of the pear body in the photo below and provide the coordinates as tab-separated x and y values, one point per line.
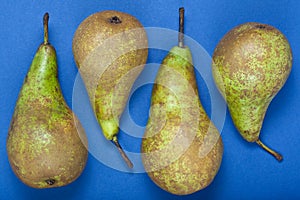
46	144
251	63
181	148
110	50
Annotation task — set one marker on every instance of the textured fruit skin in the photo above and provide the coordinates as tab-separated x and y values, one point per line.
110	56
250	65
181	149
45	140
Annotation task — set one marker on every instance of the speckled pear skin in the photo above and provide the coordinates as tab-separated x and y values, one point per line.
46	144
110	49
181	148
250	65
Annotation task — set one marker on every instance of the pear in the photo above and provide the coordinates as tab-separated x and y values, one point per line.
251	63
181	148
46	144
110	50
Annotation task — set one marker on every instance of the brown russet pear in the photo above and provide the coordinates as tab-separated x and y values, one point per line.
46	144
110	50
251	63
181	148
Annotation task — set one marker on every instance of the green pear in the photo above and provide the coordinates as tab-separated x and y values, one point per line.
251	63
181	148
46	144
110	50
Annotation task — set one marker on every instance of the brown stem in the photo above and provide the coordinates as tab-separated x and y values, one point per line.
125	157
270	151
181	28
45	23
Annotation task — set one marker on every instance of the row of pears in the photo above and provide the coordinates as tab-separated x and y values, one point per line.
181	149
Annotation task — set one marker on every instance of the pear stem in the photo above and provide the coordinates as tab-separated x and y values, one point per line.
270	151
45	23
125	157
181	28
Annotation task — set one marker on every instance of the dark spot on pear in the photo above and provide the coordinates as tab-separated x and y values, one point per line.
50	181
115	20
16	167
11	125
26	79
260	26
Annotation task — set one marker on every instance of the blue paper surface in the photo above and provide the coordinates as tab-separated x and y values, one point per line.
247	172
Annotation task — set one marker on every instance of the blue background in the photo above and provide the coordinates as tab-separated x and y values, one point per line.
246	171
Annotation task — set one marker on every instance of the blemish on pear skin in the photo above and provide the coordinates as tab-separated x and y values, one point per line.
50	182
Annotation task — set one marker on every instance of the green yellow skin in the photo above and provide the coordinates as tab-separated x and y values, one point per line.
46	144
250	65
181	149
110	54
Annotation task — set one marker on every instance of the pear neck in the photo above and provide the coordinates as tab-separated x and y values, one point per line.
43	70
41	84
182	53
